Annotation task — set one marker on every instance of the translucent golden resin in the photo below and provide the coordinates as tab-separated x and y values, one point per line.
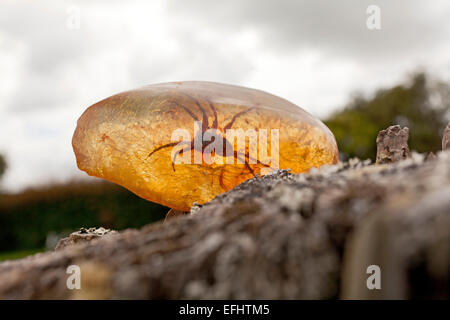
179	143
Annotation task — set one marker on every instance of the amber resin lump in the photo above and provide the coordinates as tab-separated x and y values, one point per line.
179	143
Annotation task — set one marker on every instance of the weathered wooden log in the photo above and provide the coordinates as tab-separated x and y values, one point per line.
282	236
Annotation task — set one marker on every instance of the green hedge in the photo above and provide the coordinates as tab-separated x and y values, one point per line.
28	217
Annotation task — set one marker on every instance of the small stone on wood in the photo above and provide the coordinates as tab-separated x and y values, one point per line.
446	138
392	144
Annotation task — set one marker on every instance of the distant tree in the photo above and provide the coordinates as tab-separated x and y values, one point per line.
2	166
421	105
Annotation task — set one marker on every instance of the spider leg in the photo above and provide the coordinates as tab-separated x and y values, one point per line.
187	148
230	124
205	124
187	110
247	165
237	155
221	179
247	156
162	147
215	123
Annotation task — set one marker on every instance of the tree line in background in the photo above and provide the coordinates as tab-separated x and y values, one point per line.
27	218
2	166
36	218
421	104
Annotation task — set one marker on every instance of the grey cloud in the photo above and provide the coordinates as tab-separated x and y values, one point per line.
38	92
195	64
51	48
41	28
336	27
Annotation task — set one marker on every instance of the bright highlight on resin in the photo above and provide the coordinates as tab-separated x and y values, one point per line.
184	142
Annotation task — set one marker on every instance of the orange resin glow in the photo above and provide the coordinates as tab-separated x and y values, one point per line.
128	139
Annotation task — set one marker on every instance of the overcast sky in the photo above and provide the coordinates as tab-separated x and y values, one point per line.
59	57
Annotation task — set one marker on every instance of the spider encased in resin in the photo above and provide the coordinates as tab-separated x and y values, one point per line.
218	132
127	139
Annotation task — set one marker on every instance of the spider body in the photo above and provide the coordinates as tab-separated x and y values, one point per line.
203	128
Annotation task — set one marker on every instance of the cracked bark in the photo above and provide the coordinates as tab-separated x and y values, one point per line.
392	144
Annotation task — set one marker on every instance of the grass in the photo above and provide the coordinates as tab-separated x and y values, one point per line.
13	255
